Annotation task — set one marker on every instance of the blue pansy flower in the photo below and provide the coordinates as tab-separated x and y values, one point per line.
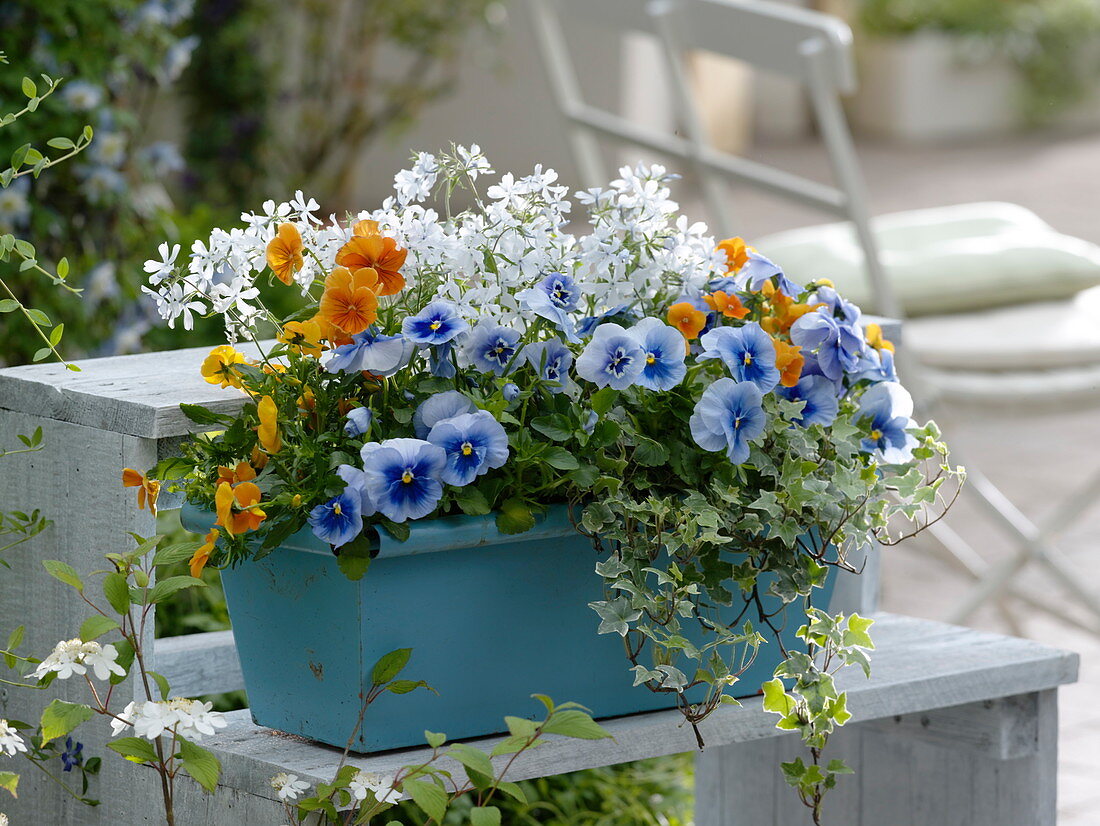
819	394
875	366
510	392
842	310
759	269
355	483
403	477
474	442
438	407
613	357
590	420
492	347
380	354
837	346
622	312
728	416
439	361
664	354
438	323
886	409
554	298
551	360
71	756
359	421
339	520
747	352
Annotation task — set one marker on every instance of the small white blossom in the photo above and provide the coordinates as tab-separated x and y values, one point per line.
190	719
305	207
3	819
381	786
11	743
416	184
162	269
288	786
82	95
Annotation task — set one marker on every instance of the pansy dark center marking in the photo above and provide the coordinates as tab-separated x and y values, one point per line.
336	509
467	448
618	362
650	358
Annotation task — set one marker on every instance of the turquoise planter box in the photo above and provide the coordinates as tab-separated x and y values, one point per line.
491	620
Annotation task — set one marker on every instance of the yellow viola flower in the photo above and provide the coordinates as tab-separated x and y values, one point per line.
688	320
243	472
873	332
202	555
237	507
148	489
737	253
284	253
268	430
303	336
217	368
727	304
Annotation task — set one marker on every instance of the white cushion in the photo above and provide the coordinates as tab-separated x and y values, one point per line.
948	259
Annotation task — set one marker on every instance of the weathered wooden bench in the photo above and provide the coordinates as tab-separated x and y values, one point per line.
954	727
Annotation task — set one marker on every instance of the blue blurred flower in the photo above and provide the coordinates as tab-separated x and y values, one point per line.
359	421
551	360
474	442
820	397
664	354
728	416
510	392
837	346
440	362
747	352
554	298
82	95
623	313
403	477
72	756
845	312
438	407
491	347
339	520
438	323
380	354
875	366
613	357
886	409
590	421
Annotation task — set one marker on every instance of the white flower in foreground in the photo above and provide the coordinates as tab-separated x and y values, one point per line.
71	657
162	269
288	786
3	819
381	786
10	741
190	719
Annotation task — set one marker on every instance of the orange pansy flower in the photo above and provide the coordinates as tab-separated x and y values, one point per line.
148	489
875	338
268	430
243	472
688	320
737	254
349	301
217	368
237	507
781	310
202	555
284	253
726	304
369	248
304	336
789	361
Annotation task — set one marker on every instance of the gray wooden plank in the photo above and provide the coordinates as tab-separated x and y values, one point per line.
197	664
919	665
137	394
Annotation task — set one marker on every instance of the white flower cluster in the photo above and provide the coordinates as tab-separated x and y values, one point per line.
381	786
3	819
10	741
75	656
288	786
190	719
478	259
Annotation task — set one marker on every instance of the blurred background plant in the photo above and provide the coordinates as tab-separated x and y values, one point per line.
1051	43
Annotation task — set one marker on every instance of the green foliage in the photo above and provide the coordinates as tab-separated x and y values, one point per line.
1050	42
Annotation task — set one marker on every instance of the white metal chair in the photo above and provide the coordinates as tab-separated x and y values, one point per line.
815	50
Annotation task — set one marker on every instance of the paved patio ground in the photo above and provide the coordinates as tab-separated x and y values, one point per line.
1037	458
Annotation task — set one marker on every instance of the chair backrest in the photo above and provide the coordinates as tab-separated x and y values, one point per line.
812	48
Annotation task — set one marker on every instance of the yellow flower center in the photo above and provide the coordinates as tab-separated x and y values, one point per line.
737	423
876	435
650	358
435	325
747	359
467	448
336	509
407	477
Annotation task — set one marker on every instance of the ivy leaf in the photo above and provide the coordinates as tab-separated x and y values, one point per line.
59	718
856	634
615	615
649	453
776	698
200	764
